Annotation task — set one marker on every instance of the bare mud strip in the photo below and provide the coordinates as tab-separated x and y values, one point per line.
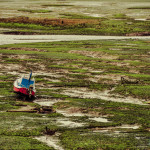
99	119
67	113
104	95
78	113
12	39
11	68
46	102
2	96
14	68
65	122
117	129
51	141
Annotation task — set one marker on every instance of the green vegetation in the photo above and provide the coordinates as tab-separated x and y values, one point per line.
17	142
80	140
141	91
23	26
120	16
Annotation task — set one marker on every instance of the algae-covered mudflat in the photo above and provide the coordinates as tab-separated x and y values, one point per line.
81	80
91	64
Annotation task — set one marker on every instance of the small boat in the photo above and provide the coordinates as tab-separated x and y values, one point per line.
25	85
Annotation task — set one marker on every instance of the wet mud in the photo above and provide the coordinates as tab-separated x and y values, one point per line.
104	95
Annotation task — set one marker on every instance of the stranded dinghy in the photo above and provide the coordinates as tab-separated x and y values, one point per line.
25	85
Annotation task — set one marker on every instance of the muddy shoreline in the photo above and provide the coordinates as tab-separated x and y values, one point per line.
12	39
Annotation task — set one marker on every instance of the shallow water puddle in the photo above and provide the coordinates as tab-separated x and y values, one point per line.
50	141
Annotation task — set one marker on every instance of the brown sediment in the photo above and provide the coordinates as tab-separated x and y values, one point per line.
139	34
47	21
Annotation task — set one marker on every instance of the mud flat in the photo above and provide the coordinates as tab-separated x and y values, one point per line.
81	91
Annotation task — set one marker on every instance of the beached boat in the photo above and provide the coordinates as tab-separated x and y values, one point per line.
25	85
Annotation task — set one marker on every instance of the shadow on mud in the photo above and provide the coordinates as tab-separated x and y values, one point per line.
22	97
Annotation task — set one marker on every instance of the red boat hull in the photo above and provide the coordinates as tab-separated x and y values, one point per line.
23	91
